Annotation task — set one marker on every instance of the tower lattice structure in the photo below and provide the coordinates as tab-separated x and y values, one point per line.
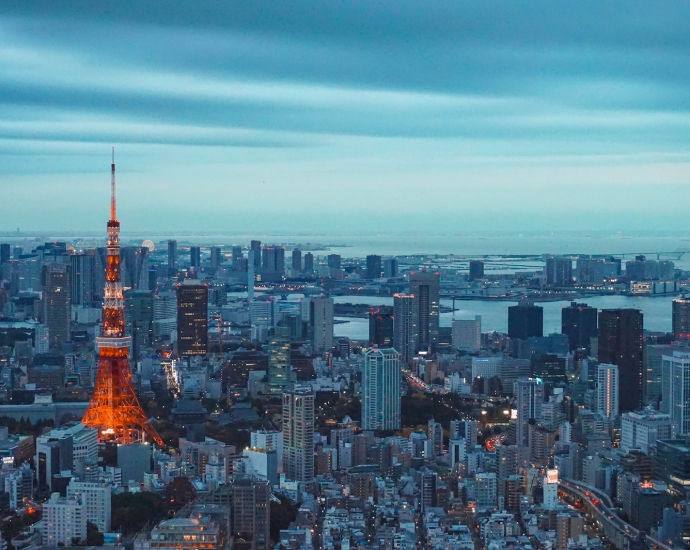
114	408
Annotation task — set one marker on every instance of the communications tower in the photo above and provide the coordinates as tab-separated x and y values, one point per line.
114	408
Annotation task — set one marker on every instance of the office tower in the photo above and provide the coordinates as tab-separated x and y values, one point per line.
529	394
390	268
579	323
262	313
404	326
273	259
280	376
621	343
135	267
380	328
486	487
525	320
321	323
681	320
56	303
373	267
511	459
467	334
237	257
194	256
476	270
64	519
5	253
550	368
675	389
139	319
435	435
82	279
458	451
652	356
641	430
192	319
114	407
428	490
298	434
251	499
255	246
334	261
251	274
559	271
308	263
96	497
217	256
297	259
425	287
381	389
172	257
467	430
607	390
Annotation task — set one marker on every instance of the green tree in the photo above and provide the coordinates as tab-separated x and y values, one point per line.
93	536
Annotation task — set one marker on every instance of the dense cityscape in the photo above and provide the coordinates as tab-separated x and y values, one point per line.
176	396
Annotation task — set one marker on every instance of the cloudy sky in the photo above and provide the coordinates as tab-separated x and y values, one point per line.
333	116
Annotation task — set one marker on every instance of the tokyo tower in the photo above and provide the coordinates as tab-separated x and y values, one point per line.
114	408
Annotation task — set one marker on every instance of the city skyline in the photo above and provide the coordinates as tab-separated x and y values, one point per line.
544	117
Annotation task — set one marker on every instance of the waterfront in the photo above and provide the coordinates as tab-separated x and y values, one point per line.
657	312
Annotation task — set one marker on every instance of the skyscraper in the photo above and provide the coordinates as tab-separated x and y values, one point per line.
298	434
5	254
192	319
373	267
217	256
297	259
139	319
56	303
321	323
425	287
308	263
135	267
675	389
237	257
525	320
390	268
579	322
607	390
255	246
476	270
172	257
194	256
380	328
621	343
279	373
404	326
82	279
381	389
334	261
251	499
681	320
529	393
559	271
467	333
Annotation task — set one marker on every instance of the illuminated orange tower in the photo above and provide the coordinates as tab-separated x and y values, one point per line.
114	408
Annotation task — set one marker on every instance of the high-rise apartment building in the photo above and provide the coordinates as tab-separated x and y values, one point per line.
607	390
298	434
390	268
476	270
192	319
559	271
251	500
82	279
96	497
681	320
467	334
334	261
64	519
529	393
579	323
425	287
321	323
381	389
308	263
525	320
280	375
621	343
467	430
194	256
255	247
273	260
56	303
675	389
373	267
172	257
217	256
404	326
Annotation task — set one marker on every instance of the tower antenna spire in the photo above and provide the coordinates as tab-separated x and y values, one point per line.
113	209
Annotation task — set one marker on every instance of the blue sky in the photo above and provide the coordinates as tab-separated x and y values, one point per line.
340	116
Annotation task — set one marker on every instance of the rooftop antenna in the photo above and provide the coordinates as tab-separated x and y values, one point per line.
113	212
